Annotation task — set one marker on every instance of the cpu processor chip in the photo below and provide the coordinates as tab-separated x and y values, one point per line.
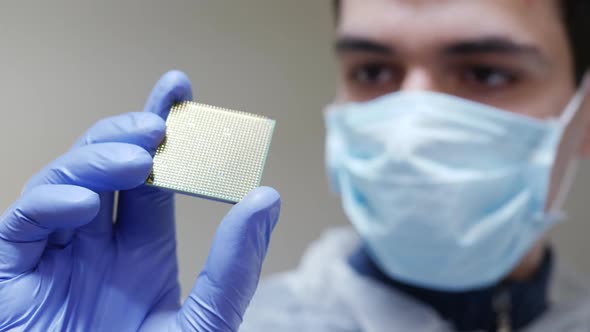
212	152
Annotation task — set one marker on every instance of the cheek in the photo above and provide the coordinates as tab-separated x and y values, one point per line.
540	101
347	93
342	92
545	107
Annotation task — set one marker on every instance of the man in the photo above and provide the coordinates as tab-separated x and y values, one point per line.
450	143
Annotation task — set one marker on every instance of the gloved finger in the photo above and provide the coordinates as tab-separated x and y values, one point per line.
147	213
25	226
173	87
99	167
104	167
139	128
230	277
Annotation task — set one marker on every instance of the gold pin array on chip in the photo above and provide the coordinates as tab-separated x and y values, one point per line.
212	152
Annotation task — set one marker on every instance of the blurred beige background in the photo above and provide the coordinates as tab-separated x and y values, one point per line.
66	64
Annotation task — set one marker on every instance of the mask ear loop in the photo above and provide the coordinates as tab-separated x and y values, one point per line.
575	104
566	118
566	185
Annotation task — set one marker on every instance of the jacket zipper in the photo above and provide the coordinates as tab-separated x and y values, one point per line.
502	304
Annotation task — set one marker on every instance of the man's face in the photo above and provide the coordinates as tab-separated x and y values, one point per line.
512	54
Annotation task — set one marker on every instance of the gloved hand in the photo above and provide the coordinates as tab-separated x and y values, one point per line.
65	266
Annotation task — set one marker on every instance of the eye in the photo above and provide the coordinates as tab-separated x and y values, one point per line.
373	74
489	77
366	79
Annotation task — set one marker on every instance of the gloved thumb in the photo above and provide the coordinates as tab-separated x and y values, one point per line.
226	285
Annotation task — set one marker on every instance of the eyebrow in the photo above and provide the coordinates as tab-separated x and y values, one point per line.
354	44
491	45
478	46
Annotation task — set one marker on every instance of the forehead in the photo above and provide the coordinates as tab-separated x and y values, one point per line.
423	21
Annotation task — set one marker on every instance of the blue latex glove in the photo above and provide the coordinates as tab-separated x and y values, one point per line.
64	265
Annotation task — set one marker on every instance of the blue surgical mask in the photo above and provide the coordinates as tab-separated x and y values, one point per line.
446	193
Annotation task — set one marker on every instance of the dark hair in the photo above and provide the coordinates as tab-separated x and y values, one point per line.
576	16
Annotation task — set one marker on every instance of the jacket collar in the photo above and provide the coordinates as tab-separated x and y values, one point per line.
475	309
